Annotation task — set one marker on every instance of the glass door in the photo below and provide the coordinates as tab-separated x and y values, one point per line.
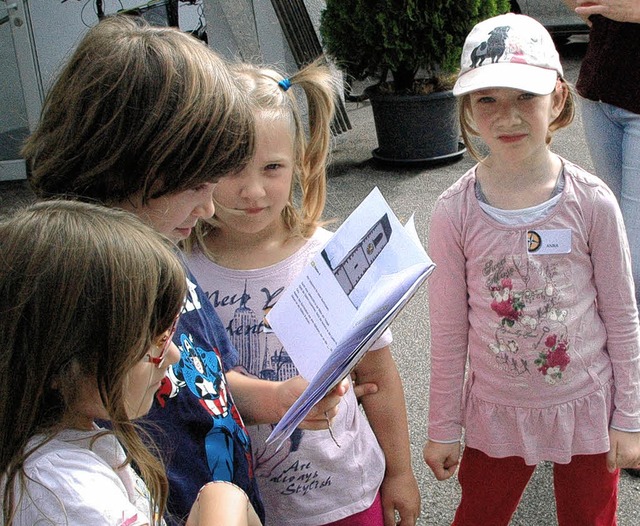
21	91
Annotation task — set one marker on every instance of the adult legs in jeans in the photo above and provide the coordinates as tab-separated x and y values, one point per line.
613	138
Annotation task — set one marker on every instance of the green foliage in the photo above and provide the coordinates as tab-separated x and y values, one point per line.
370	38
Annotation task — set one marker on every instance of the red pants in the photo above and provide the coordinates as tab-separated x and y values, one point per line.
373	516
586	493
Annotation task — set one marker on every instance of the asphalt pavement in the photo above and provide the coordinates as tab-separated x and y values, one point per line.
413	190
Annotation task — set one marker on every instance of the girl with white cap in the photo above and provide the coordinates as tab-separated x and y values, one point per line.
533	303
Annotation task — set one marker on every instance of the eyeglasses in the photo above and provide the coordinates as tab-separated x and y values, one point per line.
163	343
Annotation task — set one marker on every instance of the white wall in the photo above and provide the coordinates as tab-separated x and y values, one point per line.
245	29
58	27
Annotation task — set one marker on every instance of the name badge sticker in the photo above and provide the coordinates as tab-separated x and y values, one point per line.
541	242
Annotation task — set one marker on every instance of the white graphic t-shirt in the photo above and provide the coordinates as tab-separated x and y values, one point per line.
74	481
310	480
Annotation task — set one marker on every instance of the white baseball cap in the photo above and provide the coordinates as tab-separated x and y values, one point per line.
509	51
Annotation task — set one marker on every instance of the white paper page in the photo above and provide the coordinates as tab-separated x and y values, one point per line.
305	324
349	280
345	299
388	290
410	229
346	356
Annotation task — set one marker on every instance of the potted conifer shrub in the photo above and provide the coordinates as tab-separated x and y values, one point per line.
412	48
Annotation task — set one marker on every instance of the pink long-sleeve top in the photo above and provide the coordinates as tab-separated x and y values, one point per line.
548	335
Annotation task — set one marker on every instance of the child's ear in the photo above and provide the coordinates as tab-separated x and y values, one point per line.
560	95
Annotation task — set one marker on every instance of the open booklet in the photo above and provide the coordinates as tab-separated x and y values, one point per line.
345	298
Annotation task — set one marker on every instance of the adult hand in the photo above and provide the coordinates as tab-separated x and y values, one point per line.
443	459
619	10
323	412
624	450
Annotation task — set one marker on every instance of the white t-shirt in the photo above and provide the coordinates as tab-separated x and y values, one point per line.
310	480
75	482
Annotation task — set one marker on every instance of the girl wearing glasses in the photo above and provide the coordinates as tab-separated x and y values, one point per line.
81	341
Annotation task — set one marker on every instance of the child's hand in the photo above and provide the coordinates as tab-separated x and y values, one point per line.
323	412
362	389
625	450
400	495
443	459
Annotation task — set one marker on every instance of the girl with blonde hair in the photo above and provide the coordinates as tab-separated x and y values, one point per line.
267	226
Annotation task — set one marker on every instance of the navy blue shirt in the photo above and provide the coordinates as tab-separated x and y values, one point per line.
193	420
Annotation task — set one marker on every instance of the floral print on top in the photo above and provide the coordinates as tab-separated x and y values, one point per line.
534	353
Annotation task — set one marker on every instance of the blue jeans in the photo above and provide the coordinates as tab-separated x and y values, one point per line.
613	138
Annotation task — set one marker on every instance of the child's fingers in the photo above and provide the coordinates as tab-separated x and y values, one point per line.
365	389
612	463
442	458
444	469
448	469
327	408
624	451
315	422
342	388
617	459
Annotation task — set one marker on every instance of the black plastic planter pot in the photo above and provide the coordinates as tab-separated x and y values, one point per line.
416	128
